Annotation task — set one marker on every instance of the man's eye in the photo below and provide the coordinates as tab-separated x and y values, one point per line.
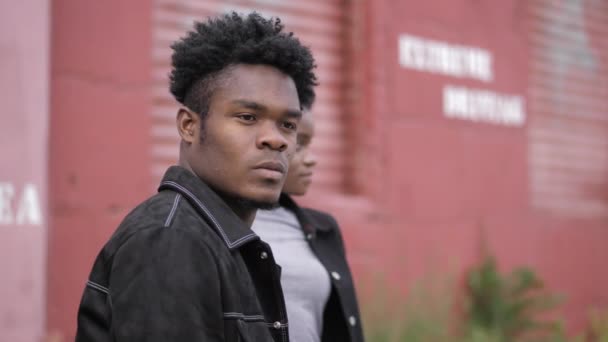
247	117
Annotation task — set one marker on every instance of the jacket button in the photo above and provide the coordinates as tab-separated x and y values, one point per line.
263	255
276	325
335	275
309	236
352	321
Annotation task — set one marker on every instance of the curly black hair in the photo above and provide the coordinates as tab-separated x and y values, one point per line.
215	45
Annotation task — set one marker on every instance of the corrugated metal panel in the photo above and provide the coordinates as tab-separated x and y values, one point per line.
317	23
568	132
25	48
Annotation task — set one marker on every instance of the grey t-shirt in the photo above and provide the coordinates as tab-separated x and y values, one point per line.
306	284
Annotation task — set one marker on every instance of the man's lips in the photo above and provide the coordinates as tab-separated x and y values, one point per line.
271	170
271	165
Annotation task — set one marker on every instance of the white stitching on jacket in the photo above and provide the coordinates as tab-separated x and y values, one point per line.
217	225
244	317
98	287
173	209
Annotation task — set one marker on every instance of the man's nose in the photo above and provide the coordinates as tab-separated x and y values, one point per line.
271	137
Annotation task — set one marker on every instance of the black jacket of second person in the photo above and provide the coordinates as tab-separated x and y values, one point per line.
341	320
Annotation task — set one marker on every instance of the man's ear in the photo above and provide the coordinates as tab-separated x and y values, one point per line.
188	124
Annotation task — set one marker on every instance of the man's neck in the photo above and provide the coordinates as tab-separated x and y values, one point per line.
241	208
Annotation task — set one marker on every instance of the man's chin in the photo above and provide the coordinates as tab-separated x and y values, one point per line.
257	204
264	201
250	202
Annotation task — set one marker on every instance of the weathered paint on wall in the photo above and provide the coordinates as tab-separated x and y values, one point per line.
99	138
433	188
24	95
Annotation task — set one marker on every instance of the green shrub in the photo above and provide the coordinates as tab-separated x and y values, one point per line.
510	307
513	307
424	315
598	326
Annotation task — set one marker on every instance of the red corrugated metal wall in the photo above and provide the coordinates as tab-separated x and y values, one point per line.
413	160
24	118
445	176
318	24
568	134
99	139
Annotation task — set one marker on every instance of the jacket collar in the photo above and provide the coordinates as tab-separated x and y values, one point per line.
209	205
308	222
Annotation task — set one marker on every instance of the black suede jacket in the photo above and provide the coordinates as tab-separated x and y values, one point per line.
183	267
341	321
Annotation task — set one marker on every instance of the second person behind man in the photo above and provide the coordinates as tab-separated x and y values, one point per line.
307	244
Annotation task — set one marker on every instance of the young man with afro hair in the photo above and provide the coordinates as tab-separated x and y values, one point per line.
184	265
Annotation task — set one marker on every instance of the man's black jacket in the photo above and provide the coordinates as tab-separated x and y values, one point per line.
341	321
183	267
